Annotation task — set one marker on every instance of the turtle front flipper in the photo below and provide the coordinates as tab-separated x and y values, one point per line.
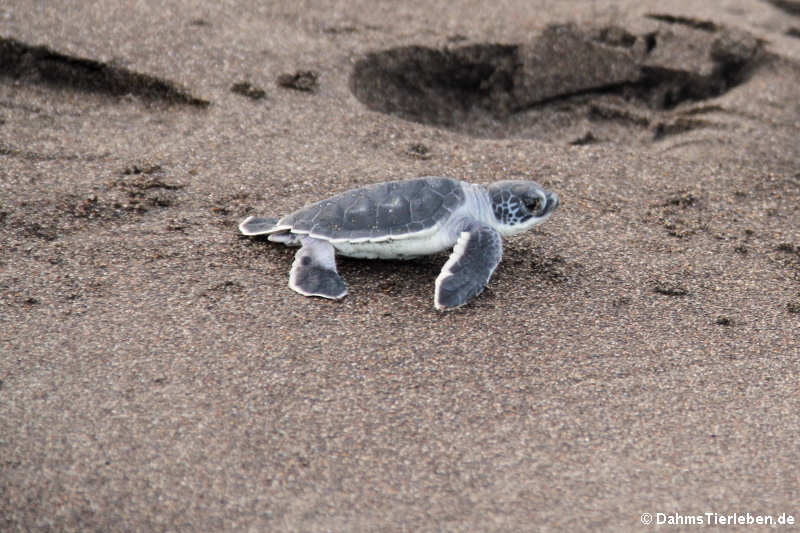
314	270
476	254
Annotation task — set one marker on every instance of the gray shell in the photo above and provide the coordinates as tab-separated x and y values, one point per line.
385	209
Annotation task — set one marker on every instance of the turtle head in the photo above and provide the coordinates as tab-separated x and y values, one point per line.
519	205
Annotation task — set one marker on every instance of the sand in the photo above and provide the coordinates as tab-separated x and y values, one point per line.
638	353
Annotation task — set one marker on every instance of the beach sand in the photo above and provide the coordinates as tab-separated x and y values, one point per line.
637	353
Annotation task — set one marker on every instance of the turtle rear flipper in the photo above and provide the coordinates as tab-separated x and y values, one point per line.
314	270
258	226
476	254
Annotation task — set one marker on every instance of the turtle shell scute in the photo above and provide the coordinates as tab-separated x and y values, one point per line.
384	209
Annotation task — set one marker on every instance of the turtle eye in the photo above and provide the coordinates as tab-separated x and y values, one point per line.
533	203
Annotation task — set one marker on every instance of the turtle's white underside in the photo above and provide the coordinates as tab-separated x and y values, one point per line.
406	246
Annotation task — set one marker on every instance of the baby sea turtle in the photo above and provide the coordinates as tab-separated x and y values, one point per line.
406	219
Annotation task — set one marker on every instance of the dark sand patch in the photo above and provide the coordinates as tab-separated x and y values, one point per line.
791	7
245	88
41	65
606	74
302	80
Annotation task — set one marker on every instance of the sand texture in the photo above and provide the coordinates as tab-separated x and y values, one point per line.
636	353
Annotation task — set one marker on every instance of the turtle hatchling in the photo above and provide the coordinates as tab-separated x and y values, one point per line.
406	219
